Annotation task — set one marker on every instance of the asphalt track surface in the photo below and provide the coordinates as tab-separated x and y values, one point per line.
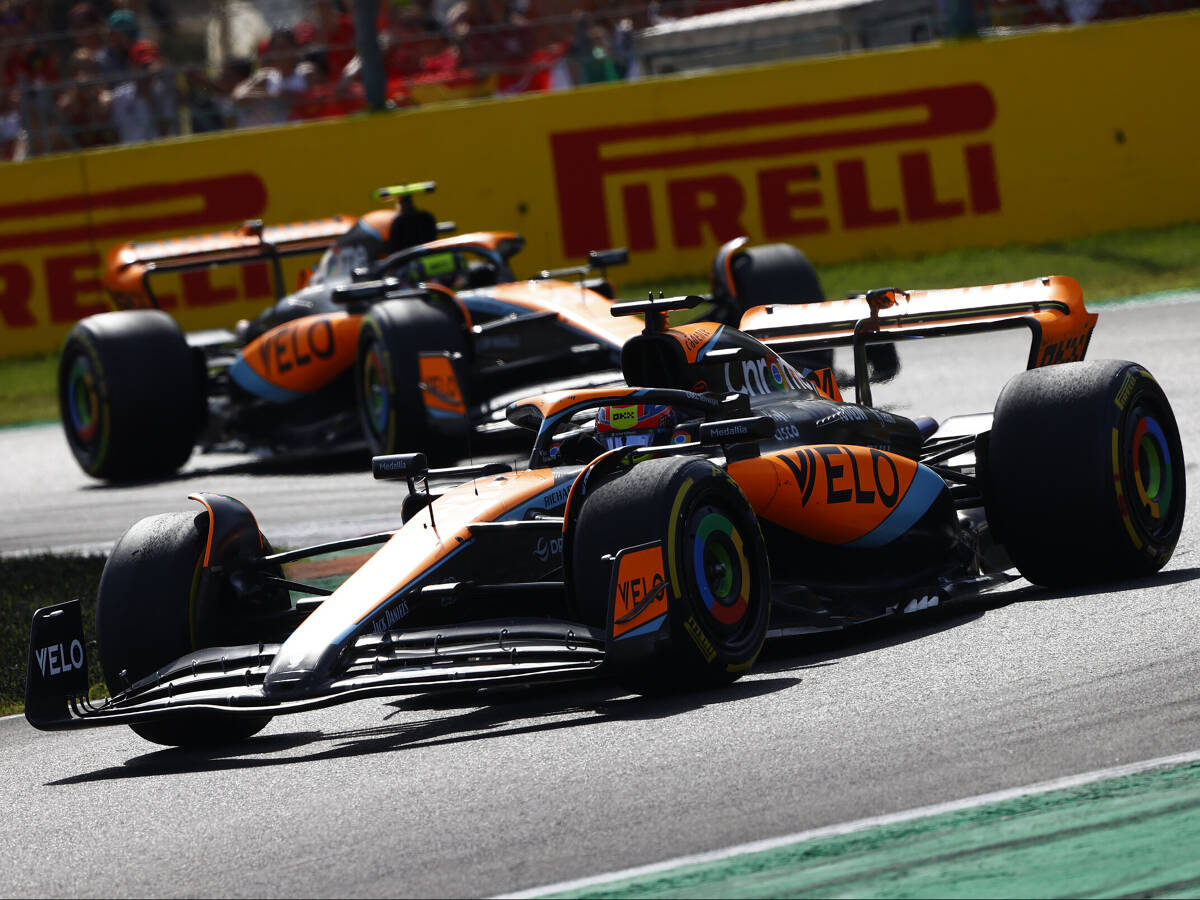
443	797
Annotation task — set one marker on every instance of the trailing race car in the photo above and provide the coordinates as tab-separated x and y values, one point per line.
662	530
400	339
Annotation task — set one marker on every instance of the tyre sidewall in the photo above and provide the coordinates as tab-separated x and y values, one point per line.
652	504
387	374
89	442
149	393
146	618
693	625
1061	479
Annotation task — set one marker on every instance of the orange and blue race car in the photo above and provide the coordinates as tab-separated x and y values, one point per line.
400	339
662	531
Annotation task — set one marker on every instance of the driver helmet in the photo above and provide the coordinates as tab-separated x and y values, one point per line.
638	424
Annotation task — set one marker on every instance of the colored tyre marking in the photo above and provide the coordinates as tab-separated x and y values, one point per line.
721	568
83	401
375	389
1152	474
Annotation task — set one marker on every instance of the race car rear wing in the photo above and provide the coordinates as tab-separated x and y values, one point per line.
127	276
130	266
1051	308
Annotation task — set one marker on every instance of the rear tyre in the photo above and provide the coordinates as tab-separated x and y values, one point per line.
771	273
714	562
391	401
146	618
775	273
1086	471
130	395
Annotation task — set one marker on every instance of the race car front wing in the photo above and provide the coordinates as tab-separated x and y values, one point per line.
230	680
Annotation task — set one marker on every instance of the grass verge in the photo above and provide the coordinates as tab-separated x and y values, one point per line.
30	582
1109	266
27	390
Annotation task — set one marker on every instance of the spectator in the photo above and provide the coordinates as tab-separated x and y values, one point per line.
326	98
123	33
494	36
144	108
408	40
210	101
267	96
589	54
24	57
83	107
336	29
83	23
13	137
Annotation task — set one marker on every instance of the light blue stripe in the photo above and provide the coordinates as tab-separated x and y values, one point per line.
925	488
710	344
249	380
651	626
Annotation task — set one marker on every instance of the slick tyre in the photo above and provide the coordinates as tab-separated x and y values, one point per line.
130	395
145	619
400	407
1086	473
778	273
697	529
775	273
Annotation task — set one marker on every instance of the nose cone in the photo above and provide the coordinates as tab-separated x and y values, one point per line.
297	675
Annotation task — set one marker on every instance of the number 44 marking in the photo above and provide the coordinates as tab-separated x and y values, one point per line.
916	604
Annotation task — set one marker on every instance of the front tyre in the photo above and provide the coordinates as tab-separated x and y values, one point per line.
130	395
1086	470
146	617
713	559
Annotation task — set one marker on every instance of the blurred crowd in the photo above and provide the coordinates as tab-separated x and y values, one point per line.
95	72
76	74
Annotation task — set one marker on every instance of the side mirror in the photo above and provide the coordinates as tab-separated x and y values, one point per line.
601	259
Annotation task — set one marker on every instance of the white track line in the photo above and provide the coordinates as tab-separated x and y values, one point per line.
860	825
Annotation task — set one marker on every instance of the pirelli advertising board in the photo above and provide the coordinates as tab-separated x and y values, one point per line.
1028	138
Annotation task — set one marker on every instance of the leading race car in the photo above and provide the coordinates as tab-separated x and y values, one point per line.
662	530
399	339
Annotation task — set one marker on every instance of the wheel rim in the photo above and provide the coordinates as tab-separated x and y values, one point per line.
721	569
375	392
1151	475
83	412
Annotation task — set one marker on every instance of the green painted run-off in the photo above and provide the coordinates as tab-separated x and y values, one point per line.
1135	836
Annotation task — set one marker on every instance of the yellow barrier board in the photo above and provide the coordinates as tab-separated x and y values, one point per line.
1028	138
